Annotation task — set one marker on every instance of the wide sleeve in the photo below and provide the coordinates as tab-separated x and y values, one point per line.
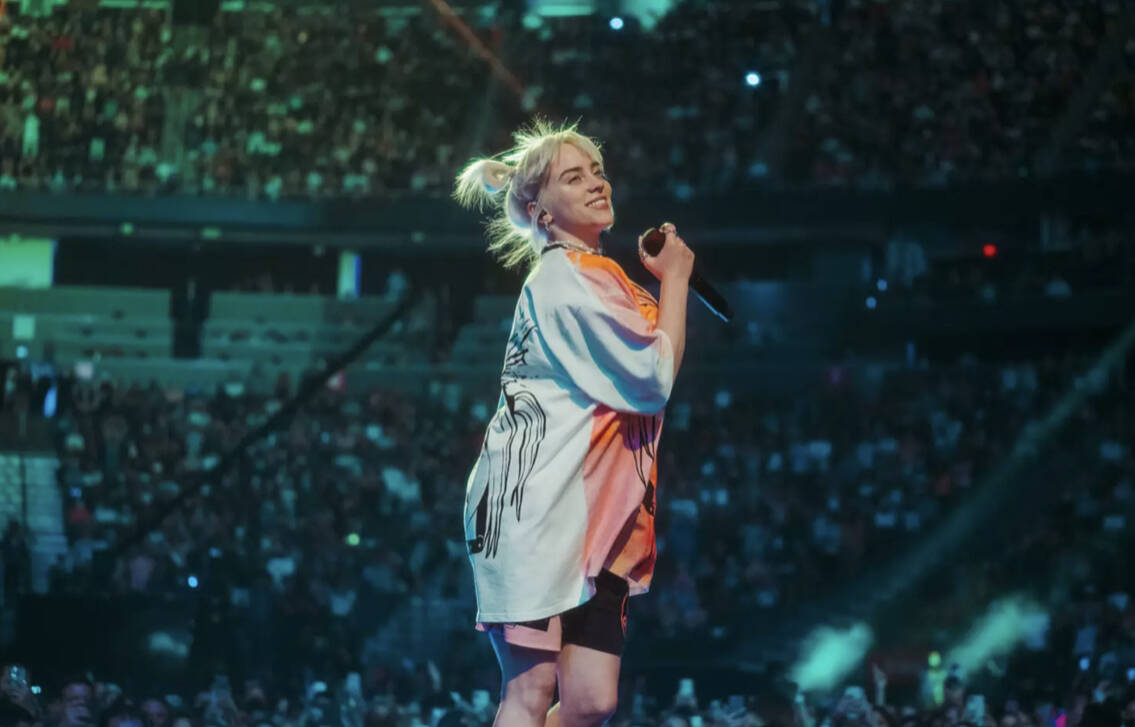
595	333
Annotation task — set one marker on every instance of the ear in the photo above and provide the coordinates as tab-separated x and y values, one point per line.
531	207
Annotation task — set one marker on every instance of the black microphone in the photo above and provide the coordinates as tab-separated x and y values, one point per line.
652	242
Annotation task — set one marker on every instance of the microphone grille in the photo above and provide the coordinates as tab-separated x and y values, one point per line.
652	241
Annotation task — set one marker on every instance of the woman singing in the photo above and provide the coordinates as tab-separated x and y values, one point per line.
559	507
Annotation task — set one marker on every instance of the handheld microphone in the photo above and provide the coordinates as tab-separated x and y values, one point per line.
652	242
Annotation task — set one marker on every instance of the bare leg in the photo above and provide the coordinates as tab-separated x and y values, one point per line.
528	683
589	686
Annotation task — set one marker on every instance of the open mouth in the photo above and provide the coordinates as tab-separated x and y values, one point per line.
599	204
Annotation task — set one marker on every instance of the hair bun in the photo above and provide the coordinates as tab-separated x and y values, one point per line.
496	175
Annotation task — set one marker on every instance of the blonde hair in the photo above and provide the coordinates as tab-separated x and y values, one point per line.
515	238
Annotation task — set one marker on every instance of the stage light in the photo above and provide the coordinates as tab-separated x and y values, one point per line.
881	285
1006	623
192	581
616	23
989	250
753	79
829	654
872	303
21	351
353	540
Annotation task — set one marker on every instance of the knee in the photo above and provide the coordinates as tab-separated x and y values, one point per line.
532	692
591	711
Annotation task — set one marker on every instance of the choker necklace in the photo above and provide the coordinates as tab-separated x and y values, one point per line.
569	245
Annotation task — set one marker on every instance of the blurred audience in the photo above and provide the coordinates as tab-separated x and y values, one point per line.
313	543
316	102
930	93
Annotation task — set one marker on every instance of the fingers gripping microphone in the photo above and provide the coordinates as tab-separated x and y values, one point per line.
653	241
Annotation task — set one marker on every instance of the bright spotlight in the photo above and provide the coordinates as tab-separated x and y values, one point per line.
616	23
829	654
192	581
872	303
1005	624
881	285
753	78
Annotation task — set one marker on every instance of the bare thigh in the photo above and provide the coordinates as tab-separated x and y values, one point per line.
589	685
528	682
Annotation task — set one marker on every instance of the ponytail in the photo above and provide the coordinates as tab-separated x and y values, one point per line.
508	184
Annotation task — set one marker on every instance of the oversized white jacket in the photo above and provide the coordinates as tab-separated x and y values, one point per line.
564	485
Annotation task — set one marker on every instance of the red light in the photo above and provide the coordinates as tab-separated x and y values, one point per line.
989	250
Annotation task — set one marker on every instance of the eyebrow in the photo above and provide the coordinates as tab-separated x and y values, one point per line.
579	169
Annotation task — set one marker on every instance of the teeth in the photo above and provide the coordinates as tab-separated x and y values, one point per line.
598	203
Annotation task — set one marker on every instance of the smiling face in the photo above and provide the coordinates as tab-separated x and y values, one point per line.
576	197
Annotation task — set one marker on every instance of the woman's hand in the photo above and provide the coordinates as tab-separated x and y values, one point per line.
674	260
